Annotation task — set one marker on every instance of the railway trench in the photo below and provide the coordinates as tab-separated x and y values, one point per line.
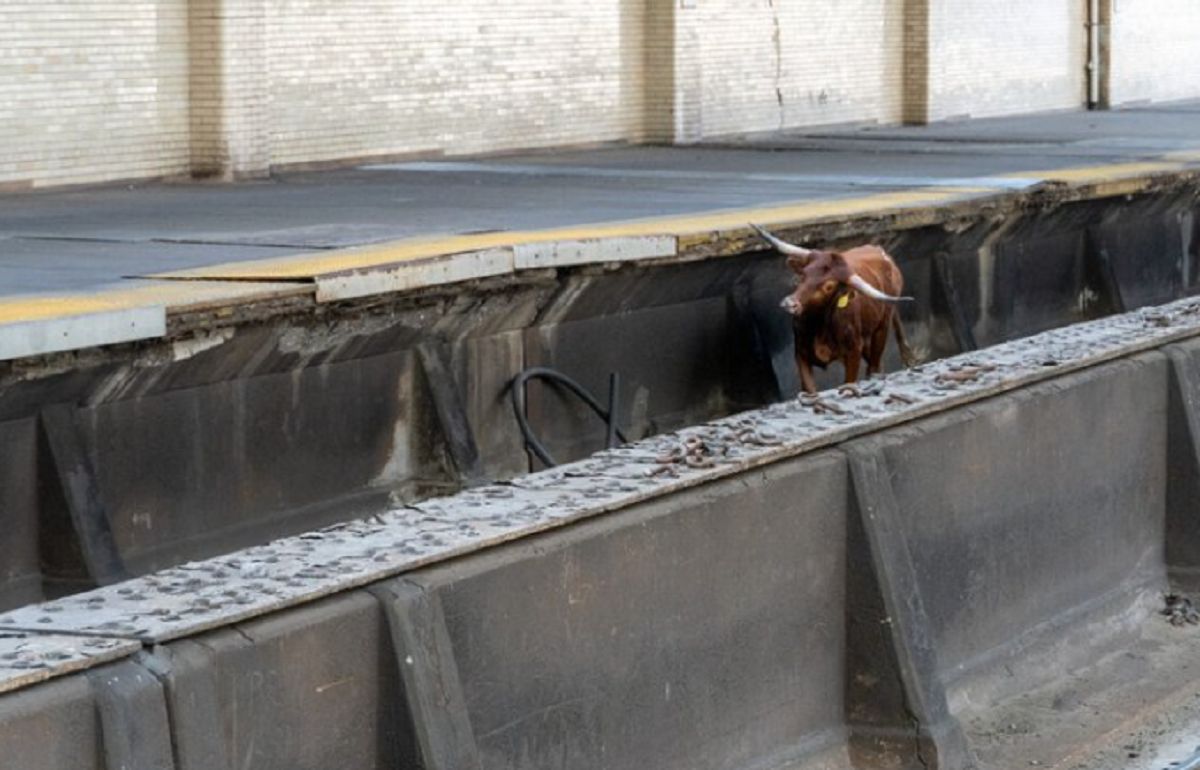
306	538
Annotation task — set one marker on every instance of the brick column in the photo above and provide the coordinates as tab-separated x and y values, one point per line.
673	72
915	102
230	135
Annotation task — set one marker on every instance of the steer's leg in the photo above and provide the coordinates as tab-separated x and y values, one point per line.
875	349
807	382
851	362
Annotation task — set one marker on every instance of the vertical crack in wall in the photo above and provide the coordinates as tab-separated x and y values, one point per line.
777	40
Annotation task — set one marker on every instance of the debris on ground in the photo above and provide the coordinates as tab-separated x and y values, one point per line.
693	452
1180	610
820	405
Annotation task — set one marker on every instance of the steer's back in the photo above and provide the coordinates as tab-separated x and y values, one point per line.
876	267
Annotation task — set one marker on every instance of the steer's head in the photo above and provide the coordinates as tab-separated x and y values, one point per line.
823	277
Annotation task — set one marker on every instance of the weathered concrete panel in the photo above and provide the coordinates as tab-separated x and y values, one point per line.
666	384
193	472
715	615
1021	510
133	716
20	569
1183	445
309	689
896	705
1034	282
52	726
1152	225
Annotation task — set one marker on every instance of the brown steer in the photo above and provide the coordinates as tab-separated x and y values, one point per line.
842	307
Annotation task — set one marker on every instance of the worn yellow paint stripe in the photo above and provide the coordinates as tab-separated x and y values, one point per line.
313	265
1185	156
1104	173
167	294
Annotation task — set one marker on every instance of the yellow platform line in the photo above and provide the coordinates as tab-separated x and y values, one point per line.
1110	172
168	294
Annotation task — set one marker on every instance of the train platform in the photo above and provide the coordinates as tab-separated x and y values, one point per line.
94	266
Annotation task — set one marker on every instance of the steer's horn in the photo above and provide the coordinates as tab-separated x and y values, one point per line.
866	288
782	246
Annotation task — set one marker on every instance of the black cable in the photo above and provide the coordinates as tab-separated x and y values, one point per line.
546	373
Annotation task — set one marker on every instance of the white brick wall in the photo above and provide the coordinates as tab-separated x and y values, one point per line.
92	90
1155	50
999	58
771	64
95	90
377	77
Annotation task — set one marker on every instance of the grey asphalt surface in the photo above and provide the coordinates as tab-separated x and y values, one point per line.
71	240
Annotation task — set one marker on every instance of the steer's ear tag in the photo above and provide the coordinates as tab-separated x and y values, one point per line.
843	300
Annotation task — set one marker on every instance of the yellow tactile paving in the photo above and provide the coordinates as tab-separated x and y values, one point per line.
168	294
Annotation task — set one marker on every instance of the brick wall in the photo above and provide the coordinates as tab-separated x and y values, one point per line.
1155	50
92	90
377	77
771	64
999	58
95	90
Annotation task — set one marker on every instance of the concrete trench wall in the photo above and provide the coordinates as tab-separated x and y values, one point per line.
840	608
199	447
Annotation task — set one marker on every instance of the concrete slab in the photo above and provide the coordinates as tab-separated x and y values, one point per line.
709	614
28	658
74	332
40	324
175	296
309	689
434	270
52	727
30	265
133	717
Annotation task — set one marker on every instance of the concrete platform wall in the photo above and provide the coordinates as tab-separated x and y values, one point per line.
838	609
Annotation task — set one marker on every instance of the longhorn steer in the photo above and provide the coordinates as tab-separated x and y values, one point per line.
842	307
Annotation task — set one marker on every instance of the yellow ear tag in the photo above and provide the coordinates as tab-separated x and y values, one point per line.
843	300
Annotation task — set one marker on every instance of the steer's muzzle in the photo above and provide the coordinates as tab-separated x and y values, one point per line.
791	304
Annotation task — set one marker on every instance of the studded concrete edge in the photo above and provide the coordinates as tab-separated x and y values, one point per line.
204	595
29	658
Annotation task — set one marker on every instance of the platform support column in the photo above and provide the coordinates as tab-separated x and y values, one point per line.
227	58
